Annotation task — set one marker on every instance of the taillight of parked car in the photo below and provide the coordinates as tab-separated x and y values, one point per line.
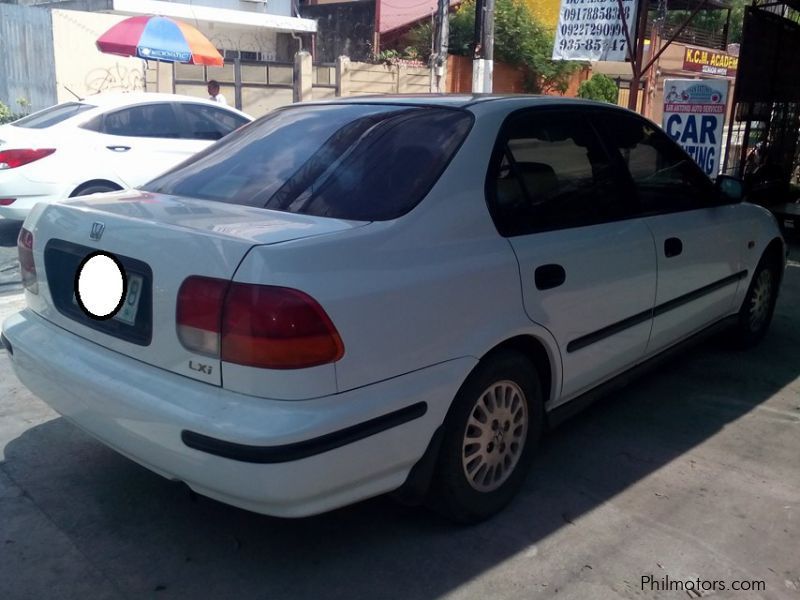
11	159
7	201
26	265
255	325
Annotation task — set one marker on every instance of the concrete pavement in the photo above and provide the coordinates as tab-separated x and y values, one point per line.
691	473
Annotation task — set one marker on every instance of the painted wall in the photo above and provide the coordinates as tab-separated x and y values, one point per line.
546	11
80	67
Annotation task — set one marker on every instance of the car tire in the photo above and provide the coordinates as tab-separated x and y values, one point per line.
488	444
94	188
758	307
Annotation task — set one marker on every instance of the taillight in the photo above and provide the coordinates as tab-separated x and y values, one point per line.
26	265
11	159
7	201
255	325
199	314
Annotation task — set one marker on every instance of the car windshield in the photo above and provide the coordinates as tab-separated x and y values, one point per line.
53	115
348	161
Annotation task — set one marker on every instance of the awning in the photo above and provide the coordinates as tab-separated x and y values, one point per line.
194	12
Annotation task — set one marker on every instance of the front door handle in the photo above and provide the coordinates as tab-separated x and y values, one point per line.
547	277
672	247
119	148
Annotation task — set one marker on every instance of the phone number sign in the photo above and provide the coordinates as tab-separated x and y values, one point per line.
593	30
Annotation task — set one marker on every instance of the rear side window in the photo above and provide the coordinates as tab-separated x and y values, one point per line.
550	171
209	123
53	116
349	161
146	120
665	177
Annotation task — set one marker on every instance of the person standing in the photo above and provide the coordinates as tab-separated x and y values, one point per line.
214	93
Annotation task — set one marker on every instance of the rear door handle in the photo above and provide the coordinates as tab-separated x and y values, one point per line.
119	148
672	247
548	277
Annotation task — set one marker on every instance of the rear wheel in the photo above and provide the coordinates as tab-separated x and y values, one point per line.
756	312
490	435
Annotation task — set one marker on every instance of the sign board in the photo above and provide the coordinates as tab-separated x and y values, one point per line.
592	30
694	116
710	62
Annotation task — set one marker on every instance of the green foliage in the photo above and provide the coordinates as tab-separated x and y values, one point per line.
600	87
519	40
7	116
713	20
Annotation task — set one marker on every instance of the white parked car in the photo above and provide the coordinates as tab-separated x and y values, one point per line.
103	143
349	298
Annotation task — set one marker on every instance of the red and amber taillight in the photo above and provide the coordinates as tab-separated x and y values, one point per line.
26	265
261	326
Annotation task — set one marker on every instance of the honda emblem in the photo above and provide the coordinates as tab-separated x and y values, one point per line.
97	231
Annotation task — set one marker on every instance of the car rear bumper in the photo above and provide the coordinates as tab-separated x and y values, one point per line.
26	194
278	457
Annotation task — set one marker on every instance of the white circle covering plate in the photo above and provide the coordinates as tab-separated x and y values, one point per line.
101	284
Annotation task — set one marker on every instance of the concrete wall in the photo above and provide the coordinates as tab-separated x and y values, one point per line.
81	67
26	58
358	79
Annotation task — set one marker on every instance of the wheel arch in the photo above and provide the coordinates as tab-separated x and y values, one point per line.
535	350
92	182
776	252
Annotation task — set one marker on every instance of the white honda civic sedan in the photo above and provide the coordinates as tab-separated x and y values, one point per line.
103	143
345	299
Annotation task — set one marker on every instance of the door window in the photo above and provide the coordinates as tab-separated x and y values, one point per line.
666	179
146	120
550	171
209	123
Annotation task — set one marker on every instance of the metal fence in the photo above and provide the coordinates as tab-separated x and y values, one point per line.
27	69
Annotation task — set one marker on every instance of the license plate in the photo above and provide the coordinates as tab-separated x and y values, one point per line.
127	313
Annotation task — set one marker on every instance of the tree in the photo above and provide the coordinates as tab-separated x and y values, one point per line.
519	39
599	87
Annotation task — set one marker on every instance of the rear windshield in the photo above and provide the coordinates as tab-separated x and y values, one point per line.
52	116
348	161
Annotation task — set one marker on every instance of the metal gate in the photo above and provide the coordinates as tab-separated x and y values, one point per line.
762	144
256	87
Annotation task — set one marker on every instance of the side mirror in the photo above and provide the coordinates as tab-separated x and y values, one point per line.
731	189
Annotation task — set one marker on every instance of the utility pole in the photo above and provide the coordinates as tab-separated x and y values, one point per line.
439	57
483	58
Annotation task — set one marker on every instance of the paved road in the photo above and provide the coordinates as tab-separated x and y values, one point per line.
693	472
9	267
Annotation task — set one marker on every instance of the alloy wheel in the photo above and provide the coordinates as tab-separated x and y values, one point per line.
495	435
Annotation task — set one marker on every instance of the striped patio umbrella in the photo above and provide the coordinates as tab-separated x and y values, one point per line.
159	38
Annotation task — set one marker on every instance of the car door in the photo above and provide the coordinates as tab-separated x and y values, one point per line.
139	142
698	236
587	263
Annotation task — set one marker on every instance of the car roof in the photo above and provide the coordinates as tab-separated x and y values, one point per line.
108	100
463	100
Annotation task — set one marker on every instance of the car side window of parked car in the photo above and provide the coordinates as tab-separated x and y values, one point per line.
550	171
145	120
666	179
208	122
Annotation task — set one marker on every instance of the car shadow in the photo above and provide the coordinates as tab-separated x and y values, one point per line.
9	230
146	533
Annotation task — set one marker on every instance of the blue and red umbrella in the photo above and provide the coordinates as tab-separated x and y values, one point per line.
159	38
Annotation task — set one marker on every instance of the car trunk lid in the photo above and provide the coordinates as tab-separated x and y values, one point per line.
160	241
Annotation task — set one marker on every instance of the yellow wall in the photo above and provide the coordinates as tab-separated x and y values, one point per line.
546	11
